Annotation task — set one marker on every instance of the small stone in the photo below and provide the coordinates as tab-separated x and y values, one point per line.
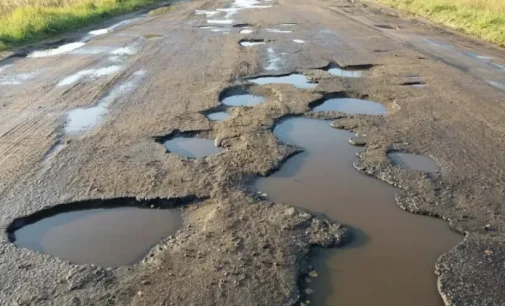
146	282
309	291
290	211
313	273
489	227
140	293
488	252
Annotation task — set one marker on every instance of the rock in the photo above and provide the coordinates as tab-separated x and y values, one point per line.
489	227
313	273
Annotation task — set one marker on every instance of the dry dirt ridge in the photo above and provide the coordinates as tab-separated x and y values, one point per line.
235	247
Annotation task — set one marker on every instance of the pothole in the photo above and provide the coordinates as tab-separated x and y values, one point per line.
218	116
83	119
387	27
417	84
152	36
240	96
386	239
57	51
355	71
340	102
206	13
296	79
189	144
414	162
224	21
251	42
89	73
107	233
278	31
241	25
496	84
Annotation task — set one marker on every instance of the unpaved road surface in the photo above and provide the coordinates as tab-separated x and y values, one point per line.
157	75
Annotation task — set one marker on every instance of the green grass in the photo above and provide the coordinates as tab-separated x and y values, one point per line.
33	21
481	18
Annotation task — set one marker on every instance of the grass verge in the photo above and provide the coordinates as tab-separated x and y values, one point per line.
35	20
481	18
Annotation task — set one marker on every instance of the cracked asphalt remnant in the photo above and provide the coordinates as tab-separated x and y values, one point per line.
249	251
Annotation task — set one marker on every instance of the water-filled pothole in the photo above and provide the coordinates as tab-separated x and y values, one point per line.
189	144
356	71
414	161
278	31
240	96
152	36
107	233
339	102
417	84
391	258
218	116
295	79
58	50
251	42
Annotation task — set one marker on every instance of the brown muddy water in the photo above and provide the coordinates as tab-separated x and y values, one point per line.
414	161
391	259
192	147
105	237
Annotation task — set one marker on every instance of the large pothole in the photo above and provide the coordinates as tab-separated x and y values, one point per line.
356	71
107	233
296	79
240	96
414	162
392	256
340	102
189	144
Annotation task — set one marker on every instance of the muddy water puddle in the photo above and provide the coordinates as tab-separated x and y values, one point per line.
57	51
391	259
218	116
351	72
295	79
243	100
414	162
191	147
351	106
251	43
105	237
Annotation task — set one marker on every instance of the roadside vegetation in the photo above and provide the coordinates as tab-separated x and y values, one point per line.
27	21
482	18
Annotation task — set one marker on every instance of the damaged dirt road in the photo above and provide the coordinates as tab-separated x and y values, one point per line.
94	122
